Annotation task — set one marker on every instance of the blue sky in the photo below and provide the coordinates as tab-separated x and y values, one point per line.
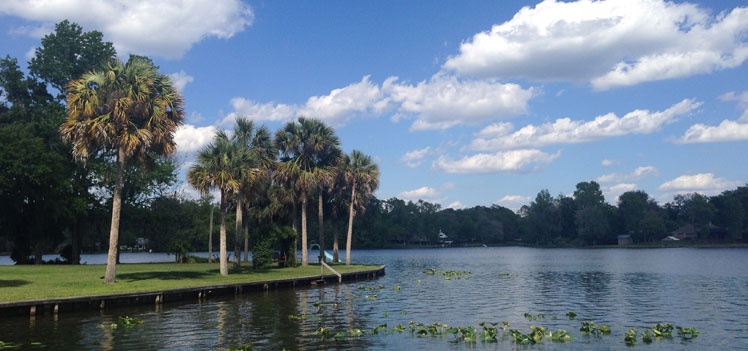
460	103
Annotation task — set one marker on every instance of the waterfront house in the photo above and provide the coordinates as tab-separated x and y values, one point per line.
687	231
624	240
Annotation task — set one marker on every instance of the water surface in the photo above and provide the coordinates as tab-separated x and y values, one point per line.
624	288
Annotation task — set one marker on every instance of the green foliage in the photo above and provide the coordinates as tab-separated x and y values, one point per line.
589	327
571	314
687	333
180	249
630	337
267	239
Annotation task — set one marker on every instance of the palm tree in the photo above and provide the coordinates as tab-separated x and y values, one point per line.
362	173
129	109
216	168
305	146
255	150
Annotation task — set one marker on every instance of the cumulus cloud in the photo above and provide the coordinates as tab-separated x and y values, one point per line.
727	130
456	205
415	158
610	43
567	131
699	182
607	163
425	193
336	108
513	202
502	161
446	101
190	138
439	103
614	192
166	28
637	174
181	79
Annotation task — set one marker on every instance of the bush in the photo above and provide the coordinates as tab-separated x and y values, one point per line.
268	239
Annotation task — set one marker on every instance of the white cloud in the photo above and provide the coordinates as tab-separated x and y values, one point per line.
699	182
425	193
446	101
345	103
513	202
607	163
637	174
165	28
614	192
566	131
190	138
335	108
414	158
181	79
742	99
609	43
727	130
456	205
502	161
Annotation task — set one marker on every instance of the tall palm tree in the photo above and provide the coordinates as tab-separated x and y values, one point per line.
129	109
254	148
216	169
304	145
360	173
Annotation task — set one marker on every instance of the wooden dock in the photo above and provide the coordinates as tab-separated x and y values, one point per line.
198	293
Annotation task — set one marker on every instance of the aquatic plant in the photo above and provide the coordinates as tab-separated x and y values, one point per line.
4	345
399	328
127	321
663	330
687	333
630	337
371	298
242	348
403	312
488	334
589	327
647	337
355	332
505	325
533	317
560	336
325	332
396	287
571	314
377	329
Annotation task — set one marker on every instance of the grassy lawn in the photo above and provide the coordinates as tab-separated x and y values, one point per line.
20	283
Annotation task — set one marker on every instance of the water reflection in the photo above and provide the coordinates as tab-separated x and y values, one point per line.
707	289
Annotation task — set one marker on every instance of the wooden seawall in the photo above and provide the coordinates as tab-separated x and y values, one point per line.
102	302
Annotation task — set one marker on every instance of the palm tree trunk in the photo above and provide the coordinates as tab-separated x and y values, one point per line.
321	228
210	236
246	241
111	262
304	253
238	232
295	223
350	227
224	266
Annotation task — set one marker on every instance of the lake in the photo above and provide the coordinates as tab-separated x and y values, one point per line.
624	288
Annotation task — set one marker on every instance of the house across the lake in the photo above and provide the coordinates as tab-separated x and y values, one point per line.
624	240
687	231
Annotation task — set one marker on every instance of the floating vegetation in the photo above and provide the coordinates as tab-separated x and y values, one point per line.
325	332
505	325
571	314
386	314
630	337
561	336
399	328
504	275
647	337
371	298
125	321
396	287
403	312
535	317
430	271
448	275
377	329
687	333
488	334
355	332
302	316
589	328
242	348
662	330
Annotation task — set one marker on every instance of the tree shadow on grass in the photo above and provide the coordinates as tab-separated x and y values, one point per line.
12	283
166	275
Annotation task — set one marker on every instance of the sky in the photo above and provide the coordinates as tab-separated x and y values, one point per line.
460	103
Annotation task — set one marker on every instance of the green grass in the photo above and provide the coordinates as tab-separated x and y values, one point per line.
22	283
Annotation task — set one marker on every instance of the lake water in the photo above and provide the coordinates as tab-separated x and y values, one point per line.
624	288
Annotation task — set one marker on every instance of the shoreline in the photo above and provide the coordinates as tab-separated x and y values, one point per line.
99	302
